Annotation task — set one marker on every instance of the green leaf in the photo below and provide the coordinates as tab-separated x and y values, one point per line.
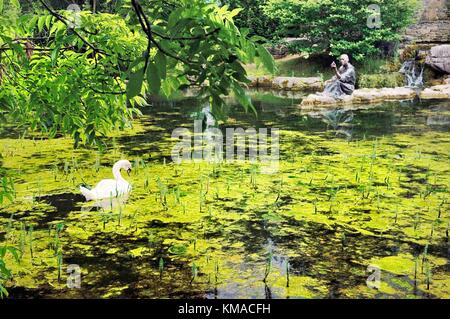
153	78
161	63
16	4
135	83
48	20
235	12
14	252
1	5
41	23
3	292
174	18
242	98
54	55
266	58
240	74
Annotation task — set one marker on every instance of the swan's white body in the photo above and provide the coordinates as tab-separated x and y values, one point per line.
110	188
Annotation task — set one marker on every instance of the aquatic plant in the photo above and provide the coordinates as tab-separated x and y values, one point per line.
176	193
424	256
22	239
416	221
416	266
161	267
216	271
56	241
443	202
194	272
119	215
30	238
343	240
228	181
146	183
280	187
162	188
97	164
268	267
287	272
253	172
7	189
5	272
428	275
59	263
105	218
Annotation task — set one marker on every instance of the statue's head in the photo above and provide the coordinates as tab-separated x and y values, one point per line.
344	59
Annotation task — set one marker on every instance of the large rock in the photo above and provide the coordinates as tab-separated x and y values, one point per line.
379	95
439	58
264	81
362	96
436	92
297	84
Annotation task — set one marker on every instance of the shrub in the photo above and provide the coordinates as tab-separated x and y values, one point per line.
388	80
253	18
340	26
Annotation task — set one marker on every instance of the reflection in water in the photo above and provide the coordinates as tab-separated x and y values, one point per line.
438	120
106	204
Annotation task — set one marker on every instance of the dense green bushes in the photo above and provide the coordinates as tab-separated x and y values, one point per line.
253	17
337	26
389	80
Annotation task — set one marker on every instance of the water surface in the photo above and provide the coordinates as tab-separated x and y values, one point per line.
355	188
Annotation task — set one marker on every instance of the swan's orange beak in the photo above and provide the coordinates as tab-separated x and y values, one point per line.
129	171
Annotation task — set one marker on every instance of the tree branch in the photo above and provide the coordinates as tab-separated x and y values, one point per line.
63	20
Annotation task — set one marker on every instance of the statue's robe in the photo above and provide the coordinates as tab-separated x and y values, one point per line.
336	88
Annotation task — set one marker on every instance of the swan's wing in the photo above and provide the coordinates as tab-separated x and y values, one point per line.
108	188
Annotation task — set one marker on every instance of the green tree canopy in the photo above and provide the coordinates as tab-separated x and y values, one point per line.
253	17
86	73
338	26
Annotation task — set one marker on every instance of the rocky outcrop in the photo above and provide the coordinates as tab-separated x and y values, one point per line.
433	24
287	83
439	58
370	96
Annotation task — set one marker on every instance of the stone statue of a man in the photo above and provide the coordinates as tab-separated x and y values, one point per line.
344	80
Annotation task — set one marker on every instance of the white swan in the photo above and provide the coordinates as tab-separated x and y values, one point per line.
109	188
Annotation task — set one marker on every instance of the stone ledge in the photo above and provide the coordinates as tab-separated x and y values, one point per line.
436	92
369	96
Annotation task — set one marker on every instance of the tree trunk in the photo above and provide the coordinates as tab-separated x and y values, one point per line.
94	6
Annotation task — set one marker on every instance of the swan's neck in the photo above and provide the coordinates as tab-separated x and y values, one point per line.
117	175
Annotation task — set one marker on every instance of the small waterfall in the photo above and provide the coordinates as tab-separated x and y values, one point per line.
413	73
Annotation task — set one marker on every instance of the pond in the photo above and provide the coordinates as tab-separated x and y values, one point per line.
358	208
